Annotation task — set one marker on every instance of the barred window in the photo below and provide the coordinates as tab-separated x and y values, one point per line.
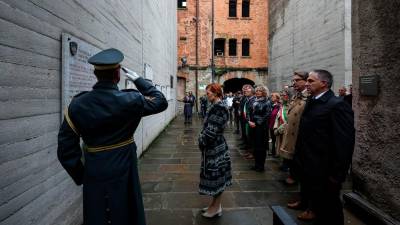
232	8
246	47
181	4
219	47
232	47
246	8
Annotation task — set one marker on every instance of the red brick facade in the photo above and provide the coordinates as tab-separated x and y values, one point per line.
254	28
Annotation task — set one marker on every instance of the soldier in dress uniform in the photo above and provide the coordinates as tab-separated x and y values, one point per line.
106	119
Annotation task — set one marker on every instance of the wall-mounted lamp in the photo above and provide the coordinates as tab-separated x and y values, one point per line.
184	61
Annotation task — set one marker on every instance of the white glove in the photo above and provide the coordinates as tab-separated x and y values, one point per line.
132	75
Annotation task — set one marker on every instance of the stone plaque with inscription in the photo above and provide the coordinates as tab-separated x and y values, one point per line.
369	85
77	73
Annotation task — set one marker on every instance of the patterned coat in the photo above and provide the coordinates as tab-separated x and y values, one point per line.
294	113
215	173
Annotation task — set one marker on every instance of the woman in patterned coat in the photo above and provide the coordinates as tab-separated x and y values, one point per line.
215	169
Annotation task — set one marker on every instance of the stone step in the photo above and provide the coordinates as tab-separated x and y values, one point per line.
281	217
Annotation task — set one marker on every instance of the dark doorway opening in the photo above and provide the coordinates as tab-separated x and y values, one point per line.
235	84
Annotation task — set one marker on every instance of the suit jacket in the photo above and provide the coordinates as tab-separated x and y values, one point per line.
326	137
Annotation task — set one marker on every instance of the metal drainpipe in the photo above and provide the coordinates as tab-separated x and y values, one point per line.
212	43
197	55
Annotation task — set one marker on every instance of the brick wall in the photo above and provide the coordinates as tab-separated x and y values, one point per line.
254	28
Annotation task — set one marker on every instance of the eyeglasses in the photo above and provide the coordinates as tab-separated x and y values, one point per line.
296	80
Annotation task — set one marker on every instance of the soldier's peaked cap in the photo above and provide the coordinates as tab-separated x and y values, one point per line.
106	59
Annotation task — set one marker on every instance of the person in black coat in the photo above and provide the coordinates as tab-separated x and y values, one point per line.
106	119
189	101
324	148
203	106
259	117
236	110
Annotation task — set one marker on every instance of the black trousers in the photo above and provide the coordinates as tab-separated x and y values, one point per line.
260	145
273	137
237	120
325	202
243	130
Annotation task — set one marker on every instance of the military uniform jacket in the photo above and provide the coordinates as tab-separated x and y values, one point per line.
106	119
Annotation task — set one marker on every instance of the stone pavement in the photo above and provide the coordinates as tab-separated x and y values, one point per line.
169	173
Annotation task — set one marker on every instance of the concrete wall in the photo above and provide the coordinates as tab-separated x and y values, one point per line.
34	189
376	47
309	34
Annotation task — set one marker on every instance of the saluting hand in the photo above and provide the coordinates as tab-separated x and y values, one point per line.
132	75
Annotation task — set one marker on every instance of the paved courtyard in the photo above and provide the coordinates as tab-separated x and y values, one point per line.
169	172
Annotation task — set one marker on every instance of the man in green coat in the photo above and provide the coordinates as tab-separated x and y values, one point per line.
106	119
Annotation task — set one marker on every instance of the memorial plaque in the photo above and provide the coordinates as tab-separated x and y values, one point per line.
168	92
77	73
369	85
148	72
164	91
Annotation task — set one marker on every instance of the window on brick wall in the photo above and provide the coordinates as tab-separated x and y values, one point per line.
181	4
246	8
232	8
245	47
232	47
219	47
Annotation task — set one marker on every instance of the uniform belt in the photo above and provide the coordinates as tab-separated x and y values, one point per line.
109	147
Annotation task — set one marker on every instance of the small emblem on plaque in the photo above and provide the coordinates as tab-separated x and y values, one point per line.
73	47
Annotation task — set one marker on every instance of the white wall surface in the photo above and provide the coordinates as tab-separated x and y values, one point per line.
306	35
34	189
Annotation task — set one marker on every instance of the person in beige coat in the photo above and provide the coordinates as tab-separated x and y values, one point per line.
287	148
281	122
295	109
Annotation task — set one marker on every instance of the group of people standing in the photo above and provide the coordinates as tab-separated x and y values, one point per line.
312	131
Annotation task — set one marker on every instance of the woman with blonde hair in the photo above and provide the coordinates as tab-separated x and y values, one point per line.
276	105
281	124
259	115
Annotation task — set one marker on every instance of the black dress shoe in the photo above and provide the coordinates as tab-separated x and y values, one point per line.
257	169
260	170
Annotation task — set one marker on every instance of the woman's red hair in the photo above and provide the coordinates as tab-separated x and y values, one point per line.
215	88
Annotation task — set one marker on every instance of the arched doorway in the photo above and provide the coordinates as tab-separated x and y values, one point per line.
235	84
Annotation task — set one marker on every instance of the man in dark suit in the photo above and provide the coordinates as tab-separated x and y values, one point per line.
106	119
324	147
